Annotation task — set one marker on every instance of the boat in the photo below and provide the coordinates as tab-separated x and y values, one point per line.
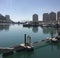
54	40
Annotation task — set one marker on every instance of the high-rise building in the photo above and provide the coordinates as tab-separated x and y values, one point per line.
35	18
49	18
2	18
52	17
58	16
45	17
7	17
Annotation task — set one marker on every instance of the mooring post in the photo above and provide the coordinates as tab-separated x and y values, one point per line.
28	40
25	40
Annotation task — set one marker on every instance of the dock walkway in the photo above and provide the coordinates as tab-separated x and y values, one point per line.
22	47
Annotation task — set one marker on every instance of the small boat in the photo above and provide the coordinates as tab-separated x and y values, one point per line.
54	40
28	48
58	37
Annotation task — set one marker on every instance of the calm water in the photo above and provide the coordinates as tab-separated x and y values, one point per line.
14	34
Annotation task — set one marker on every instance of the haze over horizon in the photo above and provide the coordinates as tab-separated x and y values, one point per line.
22	10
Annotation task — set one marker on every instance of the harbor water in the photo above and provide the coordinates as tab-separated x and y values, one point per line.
13	35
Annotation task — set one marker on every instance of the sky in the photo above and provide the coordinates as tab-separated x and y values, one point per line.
23	10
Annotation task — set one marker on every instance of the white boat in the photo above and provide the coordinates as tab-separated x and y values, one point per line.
53	40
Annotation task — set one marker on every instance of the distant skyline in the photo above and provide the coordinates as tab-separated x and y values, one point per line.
22	10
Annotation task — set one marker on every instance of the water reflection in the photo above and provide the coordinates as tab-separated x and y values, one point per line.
35	29
45	49
24	54
49	30
58	31
3	27
55	46
50	47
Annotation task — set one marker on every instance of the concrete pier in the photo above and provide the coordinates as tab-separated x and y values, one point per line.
9	51
6	51
19	48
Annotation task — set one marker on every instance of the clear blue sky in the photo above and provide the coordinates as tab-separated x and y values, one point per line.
22	10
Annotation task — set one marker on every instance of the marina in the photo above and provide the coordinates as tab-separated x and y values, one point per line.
29	29
21	45
27	46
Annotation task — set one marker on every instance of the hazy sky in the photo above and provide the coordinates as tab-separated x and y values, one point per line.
22	10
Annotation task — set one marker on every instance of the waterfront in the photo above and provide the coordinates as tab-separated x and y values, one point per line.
14	35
